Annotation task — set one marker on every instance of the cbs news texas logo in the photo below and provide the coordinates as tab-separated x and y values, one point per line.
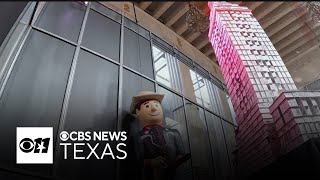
34	145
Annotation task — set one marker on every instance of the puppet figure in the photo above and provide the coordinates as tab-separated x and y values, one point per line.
159	150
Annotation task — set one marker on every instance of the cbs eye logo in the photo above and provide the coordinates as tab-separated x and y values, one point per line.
34	145
38	145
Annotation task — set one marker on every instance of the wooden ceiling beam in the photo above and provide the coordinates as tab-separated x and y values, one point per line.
289	28
285	21
253	5
144	5
202	43
193	36
181	29
313	42
161	9
267	7
208	51
277	13
297	43
293	37
289	62
177	15
212	56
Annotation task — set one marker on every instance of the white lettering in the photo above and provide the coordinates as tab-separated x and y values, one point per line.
93	150
124	152
65	149
75	150
110	151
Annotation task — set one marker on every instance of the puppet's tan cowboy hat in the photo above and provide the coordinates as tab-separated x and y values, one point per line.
142	96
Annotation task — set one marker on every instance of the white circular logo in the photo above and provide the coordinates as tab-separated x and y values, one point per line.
64	136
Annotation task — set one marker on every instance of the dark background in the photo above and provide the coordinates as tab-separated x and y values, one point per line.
9	13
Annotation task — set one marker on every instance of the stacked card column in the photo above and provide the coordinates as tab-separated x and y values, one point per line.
297	118
255	75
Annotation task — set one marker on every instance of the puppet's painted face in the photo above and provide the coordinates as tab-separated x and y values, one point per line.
150	113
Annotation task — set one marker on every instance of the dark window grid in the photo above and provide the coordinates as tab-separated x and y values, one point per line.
153	68
137	29
157	43
191	100
187	125
207	132
7	76
203	72
212	97
120	72
217	101
162	44
216	121
68	88
198	82
19	41
87	32
128	68
105	57
185	114
177	73
105	16
217	82
137	33
120	84
200	70
138	73
196	88
182	60
184	111
146	77
100	55
210	146
93	52
180	94
171	65
170	90
224	120
200	85
76	44
174	93
54	35
35	21
70	104
99	8
20	19
225	141
139	52
33	17
19	47
28	31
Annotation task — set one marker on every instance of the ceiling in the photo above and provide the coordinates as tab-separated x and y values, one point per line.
287	24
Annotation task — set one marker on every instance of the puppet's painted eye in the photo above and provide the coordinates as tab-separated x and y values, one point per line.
147	106
156	105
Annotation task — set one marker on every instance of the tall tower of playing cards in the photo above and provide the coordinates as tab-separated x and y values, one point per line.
255	75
